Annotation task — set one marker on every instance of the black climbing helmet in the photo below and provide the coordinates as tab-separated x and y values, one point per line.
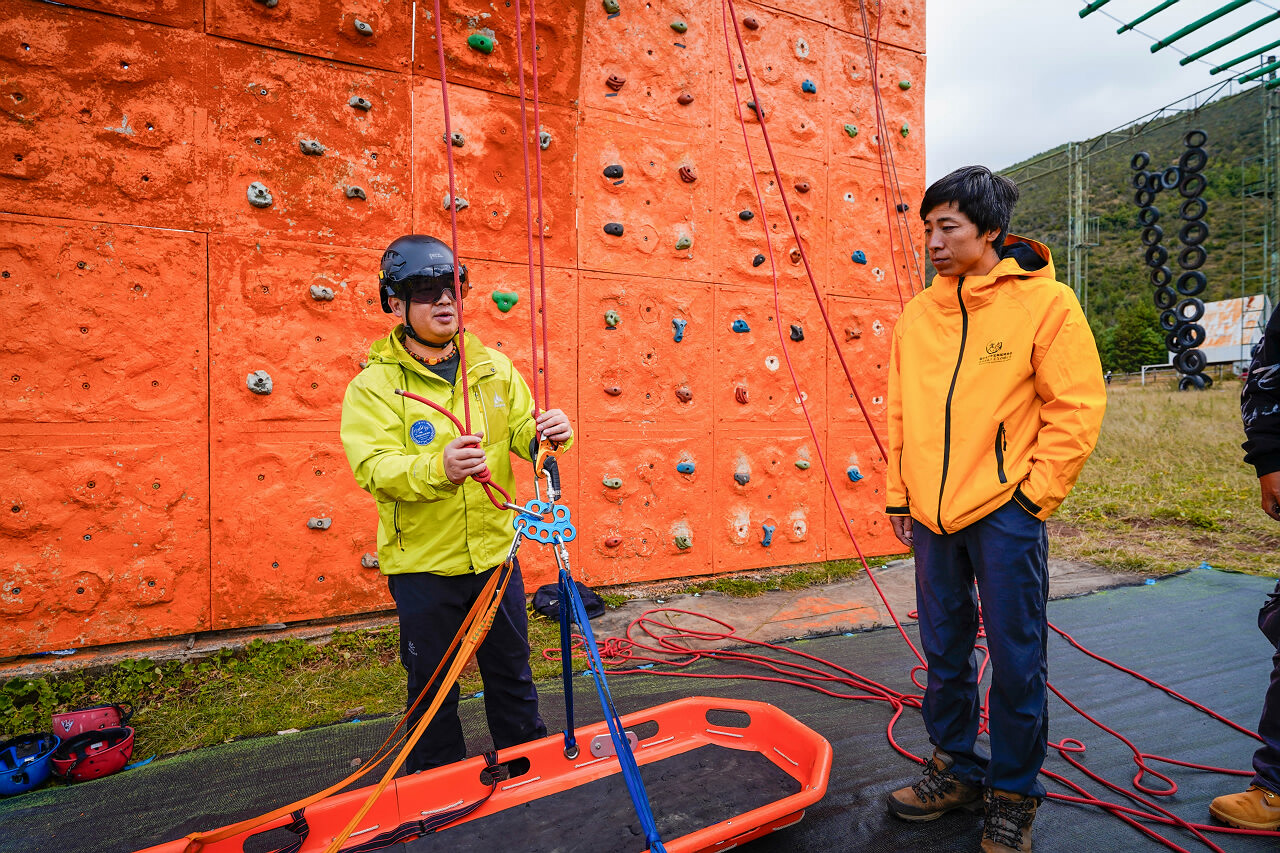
413	261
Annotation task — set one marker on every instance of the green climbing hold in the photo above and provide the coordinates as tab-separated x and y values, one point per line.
802	464
680	26
505	300
684	543
906	130
904	85
684	242
612	483
851	130
611	319
612	6
480	42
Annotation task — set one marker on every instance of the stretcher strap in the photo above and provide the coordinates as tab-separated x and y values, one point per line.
481	614
627	760
475	634
410	829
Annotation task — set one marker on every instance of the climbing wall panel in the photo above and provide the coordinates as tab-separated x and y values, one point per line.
767	509
743	255
188	14
102	118
655	218
753	387
105	535
653	61
864	330
642	497
859	474
489	175
376	33
851	103
78	293
289	530
493	285
784	54
302	314
632	369
275	107
896	22
869	237
467	21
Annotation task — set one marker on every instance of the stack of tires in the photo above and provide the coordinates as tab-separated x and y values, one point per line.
1177	298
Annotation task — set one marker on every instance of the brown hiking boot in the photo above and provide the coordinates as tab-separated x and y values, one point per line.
1006	826
939	792
1256	808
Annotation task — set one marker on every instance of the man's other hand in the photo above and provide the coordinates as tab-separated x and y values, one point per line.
1270	486
464	457
902	528
554	424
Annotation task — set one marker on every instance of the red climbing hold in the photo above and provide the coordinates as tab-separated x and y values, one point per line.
615	82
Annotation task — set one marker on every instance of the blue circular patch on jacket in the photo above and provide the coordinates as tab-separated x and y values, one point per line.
422	432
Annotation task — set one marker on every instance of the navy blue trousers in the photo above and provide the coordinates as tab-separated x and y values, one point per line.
431	609
1007	553
1266	761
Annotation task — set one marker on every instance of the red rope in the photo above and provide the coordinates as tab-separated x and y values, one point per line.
486	479
453	225
542	227
727	13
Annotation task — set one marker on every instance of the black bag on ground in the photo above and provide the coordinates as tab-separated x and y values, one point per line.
547	600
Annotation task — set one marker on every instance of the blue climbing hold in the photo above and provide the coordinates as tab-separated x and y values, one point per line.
685	467
740	326
768	535
741	478
859	257
808	87
678	325
854	474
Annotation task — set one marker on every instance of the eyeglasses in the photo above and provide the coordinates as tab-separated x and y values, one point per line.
429	289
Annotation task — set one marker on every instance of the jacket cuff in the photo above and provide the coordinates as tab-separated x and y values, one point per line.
1267	465
436	478
897	510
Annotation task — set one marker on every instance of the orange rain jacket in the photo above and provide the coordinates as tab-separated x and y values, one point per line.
995	392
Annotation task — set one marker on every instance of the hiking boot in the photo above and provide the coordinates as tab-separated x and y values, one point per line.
1256	808
939	792
1006	825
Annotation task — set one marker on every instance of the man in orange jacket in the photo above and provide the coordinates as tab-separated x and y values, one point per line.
996	398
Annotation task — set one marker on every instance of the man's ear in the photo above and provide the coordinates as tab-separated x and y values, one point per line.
993	237
397	306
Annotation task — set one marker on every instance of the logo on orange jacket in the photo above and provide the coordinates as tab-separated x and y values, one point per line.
995	353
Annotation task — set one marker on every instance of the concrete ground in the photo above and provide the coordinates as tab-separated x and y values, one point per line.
852	605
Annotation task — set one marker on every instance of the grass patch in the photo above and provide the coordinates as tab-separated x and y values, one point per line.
1164	490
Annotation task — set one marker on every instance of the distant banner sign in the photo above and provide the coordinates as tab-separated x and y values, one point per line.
1232	327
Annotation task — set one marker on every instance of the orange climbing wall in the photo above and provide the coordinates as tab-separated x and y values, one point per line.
192	191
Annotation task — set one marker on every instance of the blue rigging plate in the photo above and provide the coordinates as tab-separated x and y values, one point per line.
539	529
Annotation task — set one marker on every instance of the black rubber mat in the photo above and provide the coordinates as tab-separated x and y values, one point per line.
1195	632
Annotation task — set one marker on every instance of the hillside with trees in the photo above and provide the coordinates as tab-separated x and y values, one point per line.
1119	303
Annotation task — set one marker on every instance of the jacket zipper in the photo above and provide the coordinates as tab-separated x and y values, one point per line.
395	520
946	440
1001	445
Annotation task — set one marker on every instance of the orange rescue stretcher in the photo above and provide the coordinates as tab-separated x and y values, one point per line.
729	753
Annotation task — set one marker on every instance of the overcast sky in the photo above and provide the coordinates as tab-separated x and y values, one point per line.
1010	78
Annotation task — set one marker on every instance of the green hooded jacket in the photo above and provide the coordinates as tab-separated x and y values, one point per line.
395	448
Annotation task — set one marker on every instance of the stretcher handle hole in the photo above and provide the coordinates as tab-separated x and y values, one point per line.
728	718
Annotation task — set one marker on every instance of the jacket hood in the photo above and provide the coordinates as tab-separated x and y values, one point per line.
1020	256
391	350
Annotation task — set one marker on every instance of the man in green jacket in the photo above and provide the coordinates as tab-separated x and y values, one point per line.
439	536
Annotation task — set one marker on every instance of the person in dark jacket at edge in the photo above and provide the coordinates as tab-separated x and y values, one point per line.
1259	806
996	398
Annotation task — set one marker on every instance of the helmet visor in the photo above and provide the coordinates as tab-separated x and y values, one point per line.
428	288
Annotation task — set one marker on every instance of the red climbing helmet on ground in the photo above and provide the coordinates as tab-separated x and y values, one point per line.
71	723
93	754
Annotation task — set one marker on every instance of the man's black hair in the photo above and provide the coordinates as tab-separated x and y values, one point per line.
987	199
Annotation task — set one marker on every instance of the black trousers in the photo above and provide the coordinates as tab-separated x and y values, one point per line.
431	609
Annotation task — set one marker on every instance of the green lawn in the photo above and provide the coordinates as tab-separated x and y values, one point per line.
1165	490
